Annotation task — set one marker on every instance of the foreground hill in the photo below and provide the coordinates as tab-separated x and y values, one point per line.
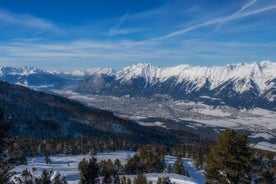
37	114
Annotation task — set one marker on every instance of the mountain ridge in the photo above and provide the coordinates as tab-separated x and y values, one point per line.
216	74
261	72
242	85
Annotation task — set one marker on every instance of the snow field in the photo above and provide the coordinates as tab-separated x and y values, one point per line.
265	136
67	166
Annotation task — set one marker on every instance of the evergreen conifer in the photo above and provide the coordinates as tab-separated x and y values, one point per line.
229	161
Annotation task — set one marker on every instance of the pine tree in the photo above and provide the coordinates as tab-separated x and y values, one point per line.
169	169
128	181
135	165
163	180
123	180
229	161
140	179
265	168
88	171
45	177
60	181
4	142
26	177
178	166
116	178
108	171
47	158
159	180
118	166
152	158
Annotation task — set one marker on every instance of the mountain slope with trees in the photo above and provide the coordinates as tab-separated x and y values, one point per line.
37	114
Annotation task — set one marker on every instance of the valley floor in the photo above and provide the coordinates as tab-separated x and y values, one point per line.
199	118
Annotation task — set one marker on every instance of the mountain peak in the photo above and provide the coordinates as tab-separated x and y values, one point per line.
19	71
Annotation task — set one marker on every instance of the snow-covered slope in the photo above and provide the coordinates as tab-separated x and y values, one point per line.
241	85
19	71
31	77
260	73
79	74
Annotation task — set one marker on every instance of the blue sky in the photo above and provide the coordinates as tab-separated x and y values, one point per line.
80	34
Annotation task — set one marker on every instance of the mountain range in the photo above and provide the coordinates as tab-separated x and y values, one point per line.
243	85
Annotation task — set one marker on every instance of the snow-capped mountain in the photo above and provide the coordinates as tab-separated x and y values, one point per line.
243	85
19	71
259	73
79	75
31	77
240	85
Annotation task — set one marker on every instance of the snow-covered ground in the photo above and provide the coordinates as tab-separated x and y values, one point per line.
196	176
265	136
264	146
67	166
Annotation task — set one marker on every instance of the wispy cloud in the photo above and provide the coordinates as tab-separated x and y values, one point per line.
25	20
117	30
121	21
111	53
237	15
114	32
243	8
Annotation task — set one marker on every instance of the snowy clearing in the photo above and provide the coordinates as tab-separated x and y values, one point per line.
67	166
264	146
265	136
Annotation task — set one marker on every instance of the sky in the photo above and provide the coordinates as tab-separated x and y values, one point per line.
80	34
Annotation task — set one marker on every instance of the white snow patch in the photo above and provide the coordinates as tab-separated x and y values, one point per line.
195	175
67	166
265	136
264	146
54	175
214	112
157	124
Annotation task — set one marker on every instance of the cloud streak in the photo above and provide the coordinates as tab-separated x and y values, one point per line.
235	16
246	6
117	30
109	53
29	21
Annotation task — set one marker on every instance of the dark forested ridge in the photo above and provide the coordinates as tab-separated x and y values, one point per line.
37	114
